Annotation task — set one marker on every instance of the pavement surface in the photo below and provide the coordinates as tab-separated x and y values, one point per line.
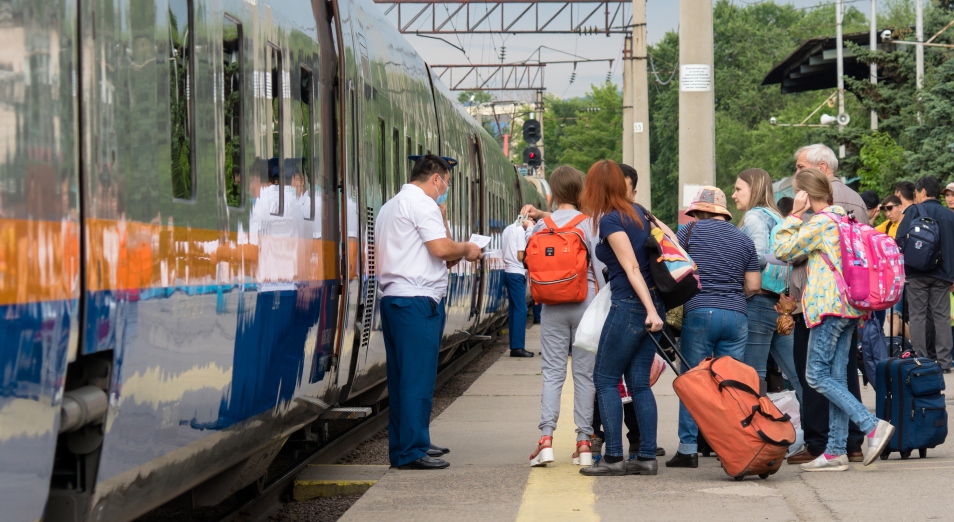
492	429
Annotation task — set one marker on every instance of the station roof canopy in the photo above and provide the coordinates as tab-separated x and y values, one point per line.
812	66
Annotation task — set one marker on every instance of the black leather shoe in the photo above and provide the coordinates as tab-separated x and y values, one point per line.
437	451
426	463
520	352
681	460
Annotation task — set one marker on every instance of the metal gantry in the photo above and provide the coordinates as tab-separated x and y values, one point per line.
510	16
492	77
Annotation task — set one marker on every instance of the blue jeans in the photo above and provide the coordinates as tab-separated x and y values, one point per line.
412	328
764	338
708	332
828	347
517	311
626	349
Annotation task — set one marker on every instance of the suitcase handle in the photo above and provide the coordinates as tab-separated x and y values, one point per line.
757	409
766	438
659	349
729	383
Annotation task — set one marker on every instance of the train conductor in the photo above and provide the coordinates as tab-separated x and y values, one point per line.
414	252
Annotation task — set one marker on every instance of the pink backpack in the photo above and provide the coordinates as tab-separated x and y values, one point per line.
872	266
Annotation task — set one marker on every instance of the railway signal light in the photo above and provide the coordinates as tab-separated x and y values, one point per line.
532	131
532	157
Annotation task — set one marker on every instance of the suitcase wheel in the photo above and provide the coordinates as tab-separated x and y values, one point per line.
739	478
884	454
922	453
905	454
763	476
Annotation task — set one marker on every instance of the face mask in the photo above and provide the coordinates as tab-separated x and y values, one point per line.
443	197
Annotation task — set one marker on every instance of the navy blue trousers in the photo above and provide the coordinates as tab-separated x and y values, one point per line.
413	327
517	311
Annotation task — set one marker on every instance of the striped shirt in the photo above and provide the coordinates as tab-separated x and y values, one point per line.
723	254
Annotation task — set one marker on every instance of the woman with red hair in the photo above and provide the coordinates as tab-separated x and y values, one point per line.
625	347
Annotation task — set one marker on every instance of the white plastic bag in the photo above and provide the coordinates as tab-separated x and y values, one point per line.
591	326
786	402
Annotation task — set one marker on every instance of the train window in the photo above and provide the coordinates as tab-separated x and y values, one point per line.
396	163
232	101
274	91
306	182
382	147
420	150
180	102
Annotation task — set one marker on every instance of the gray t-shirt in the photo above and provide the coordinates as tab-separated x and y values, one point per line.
561	218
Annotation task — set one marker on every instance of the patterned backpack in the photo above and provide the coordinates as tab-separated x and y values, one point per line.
872	274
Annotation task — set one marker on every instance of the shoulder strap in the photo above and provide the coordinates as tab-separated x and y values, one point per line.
689	228
550	224
839	282
570	224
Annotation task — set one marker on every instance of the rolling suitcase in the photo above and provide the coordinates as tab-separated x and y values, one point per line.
747	431
909	397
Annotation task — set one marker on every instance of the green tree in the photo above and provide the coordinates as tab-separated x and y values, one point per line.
595	133
933	138
474	97
882	162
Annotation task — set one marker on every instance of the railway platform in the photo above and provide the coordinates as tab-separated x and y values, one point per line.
492	429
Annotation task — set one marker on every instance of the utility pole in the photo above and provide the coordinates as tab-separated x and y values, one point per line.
696	101
541	172
640	102
840	58
628	99
873	45
919	48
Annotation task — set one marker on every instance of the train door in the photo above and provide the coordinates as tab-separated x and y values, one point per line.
477	222
40	216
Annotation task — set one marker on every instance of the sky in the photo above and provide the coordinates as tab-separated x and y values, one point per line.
662	16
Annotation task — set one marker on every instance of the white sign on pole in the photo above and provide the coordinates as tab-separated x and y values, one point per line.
688	194
695	78
638	126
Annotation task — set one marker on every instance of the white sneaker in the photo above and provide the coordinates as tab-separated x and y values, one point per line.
877	440
823	463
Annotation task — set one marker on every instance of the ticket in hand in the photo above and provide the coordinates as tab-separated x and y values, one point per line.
480	241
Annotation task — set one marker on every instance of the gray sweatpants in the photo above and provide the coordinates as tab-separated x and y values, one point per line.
557	329
930	297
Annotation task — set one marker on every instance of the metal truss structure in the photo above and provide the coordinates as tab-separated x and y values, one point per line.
492	77
510	16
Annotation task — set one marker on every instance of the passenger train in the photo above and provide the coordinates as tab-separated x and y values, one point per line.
187	274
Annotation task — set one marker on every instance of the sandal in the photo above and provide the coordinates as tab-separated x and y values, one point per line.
584	454
544	453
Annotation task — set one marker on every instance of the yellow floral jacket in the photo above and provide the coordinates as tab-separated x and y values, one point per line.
820	234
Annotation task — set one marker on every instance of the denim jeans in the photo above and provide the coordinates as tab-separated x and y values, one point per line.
708	332
626	349
517	309
764	338
814	407
828	348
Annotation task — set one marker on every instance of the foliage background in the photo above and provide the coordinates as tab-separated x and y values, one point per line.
750	39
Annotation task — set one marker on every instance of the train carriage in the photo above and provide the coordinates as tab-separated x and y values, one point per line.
187	201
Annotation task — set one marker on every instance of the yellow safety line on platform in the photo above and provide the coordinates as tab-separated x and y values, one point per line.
558	491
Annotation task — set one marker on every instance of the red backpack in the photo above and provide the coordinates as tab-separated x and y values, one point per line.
557	260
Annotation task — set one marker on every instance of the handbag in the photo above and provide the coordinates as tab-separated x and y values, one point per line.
591	325
785	306
673	271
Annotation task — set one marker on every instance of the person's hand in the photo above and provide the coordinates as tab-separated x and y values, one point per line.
527	223
531	211
452	264
472	252
654	322
443	207
801	203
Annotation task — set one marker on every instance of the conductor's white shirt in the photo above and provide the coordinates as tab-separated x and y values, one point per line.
406	268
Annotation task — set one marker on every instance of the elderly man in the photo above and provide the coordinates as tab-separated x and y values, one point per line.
414	249
814	404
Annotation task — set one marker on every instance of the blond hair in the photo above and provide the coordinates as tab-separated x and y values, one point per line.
815	183
760	191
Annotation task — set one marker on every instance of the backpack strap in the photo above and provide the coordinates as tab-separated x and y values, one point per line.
839	282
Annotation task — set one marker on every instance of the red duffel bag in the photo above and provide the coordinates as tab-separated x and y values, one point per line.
747	431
